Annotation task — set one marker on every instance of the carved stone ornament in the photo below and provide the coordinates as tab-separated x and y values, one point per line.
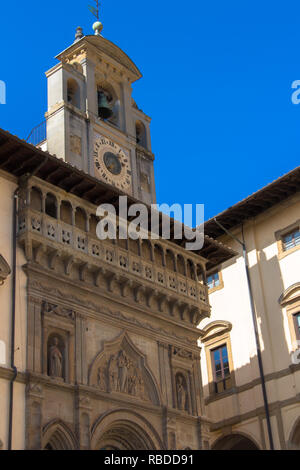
4	270
182	353
121	368
34	389
57	310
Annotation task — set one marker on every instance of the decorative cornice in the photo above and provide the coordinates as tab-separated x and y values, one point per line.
98	308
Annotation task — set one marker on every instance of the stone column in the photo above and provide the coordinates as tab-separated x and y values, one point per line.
34	401
83	420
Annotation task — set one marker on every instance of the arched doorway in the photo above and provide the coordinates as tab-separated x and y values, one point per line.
124	430
294	441
58	436
123	436
234	442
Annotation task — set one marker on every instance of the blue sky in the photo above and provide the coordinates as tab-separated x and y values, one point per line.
216	81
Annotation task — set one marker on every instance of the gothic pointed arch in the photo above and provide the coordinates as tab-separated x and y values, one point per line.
294	437
58	436
122	368
235	441
123	429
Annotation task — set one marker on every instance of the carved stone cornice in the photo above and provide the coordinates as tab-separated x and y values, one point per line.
52	309
97	308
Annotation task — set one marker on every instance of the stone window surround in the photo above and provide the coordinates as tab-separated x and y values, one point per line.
217	334
221	284
292	307
282	253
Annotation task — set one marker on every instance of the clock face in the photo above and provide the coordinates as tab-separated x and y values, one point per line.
112	164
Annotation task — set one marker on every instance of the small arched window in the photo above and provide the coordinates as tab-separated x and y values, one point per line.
36	199
146	250
158	255
140	130
80	219
190	270
73	93
66	212
181	265
170	260
108	104
51	206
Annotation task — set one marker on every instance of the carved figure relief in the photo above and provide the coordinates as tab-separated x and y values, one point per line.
120	368
101	379
123	375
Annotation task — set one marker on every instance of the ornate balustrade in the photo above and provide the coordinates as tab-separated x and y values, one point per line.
145	274
73	238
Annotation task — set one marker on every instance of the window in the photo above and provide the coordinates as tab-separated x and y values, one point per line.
290	302
221	369
213	280
291	239
296	317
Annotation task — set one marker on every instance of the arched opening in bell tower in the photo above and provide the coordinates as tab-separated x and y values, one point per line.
73	93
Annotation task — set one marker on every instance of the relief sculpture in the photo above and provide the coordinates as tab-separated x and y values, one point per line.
121	368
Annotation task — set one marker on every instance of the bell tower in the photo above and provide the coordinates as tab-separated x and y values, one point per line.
92	120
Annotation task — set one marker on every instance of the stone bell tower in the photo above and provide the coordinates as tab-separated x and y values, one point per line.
92	120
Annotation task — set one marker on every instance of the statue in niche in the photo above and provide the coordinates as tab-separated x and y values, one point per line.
55	360
101	379
181	392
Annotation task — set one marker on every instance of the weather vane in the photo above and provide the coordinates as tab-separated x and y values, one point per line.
97	26
95	10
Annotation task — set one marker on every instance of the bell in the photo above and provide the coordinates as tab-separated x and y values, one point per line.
104	110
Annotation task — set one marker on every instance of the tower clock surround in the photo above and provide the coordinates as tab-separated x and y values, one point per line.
112	163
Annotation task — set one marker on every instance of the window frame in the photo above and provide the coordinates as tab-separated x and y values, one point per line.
217	287
294	244
296	324
290	303
281	234
217	336
213	360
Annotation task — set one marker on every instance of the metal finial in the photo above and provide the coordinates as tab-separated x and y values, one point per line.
97	26
79	34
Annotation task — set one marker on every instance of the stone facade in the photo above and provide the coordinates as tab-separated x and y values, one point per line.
112	356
